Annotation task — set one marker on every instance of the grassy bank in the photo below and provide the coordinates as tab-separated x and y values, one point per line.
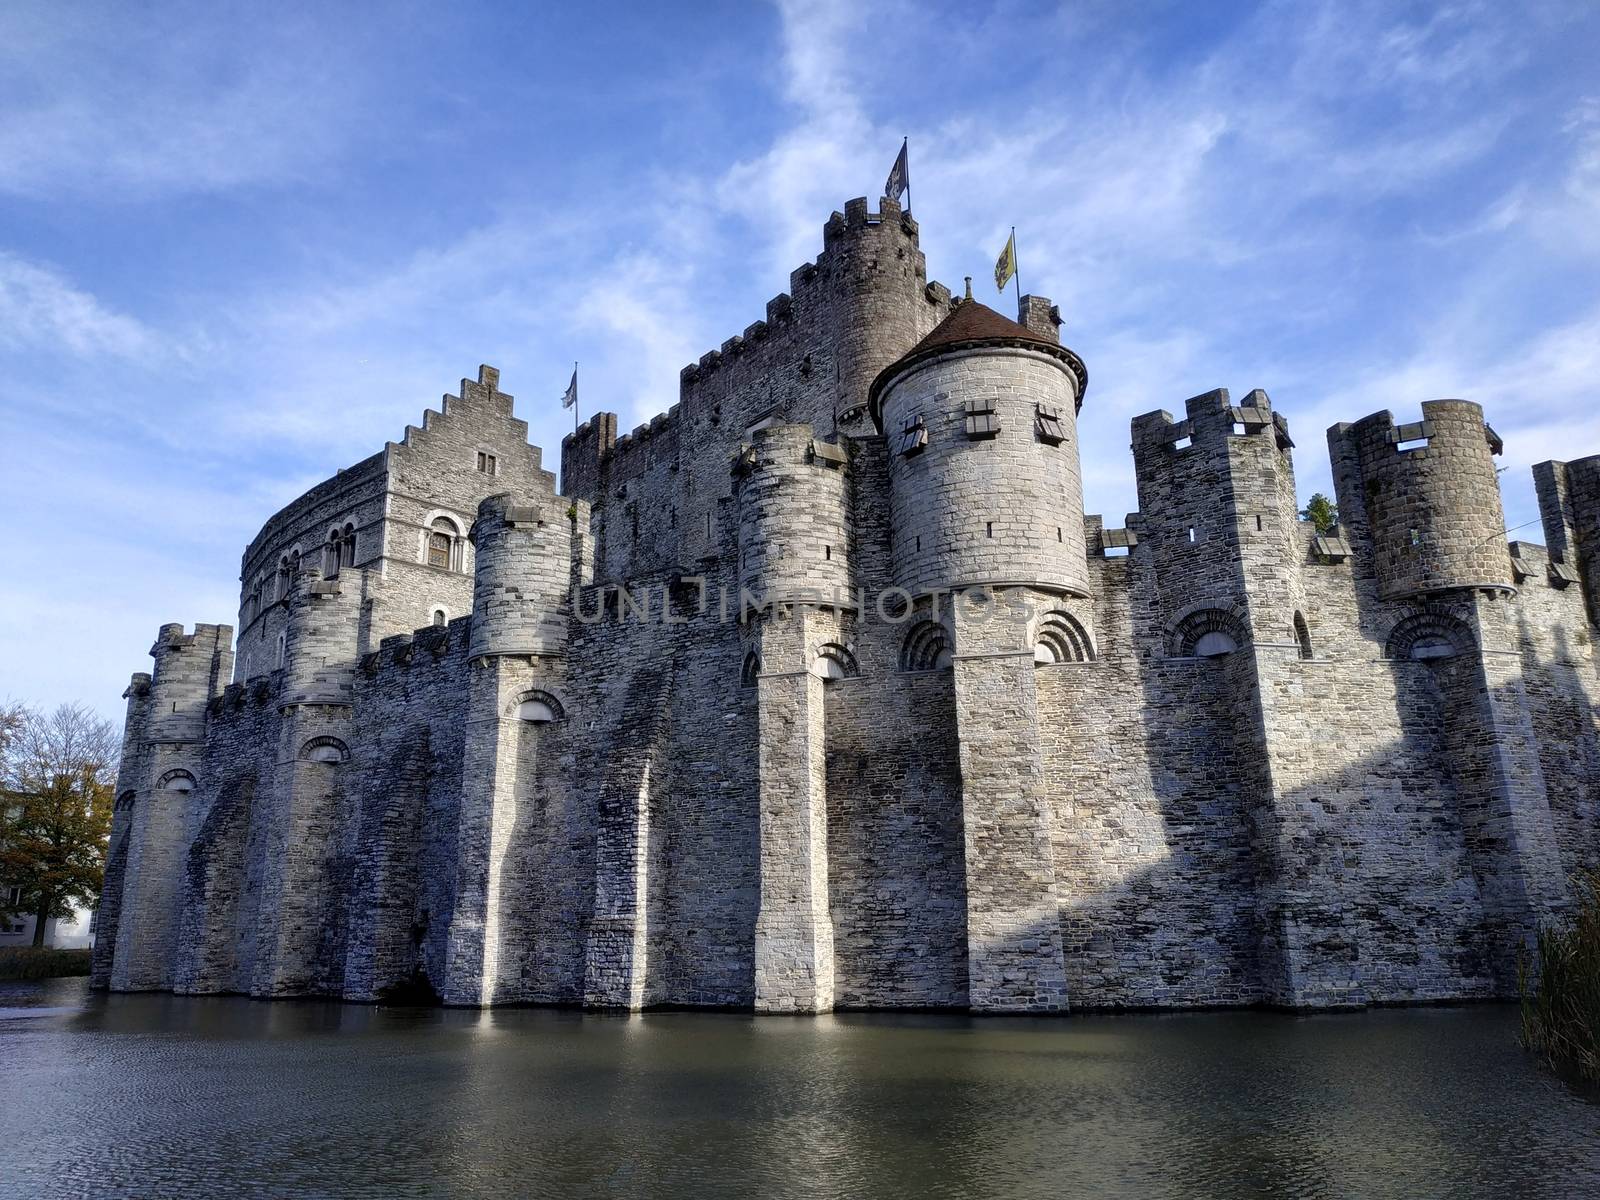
24	962
1561	1019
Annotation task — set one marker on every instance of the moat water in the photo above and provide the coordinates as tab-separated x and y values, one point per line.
160	1096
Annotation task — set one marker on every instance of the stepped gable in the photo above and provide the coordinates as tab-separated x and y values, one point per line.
974	324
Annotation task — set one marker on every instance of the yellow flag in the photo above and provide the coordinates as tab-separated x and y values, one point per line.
1006	267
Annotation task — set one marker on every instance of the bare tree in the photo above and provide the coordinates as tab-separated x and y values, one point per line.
57	773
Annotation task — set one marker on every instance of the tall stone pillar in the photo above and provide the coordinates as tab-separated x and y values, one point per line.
524	561
1014	955
616	961
794	927
1505	808
488	818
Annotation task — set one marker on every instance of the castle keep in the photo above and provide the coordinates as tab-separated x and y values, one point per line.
820	690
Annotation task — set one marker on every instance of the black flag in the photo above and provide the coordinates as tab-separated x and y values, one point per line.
899	182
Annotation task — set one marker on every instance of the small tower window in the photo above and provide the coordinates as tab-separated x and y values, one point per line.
981	419
1049	427
487	463
439	618
913	436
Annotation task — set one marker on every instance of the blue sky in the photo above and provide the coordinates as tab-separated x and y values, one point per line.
243	245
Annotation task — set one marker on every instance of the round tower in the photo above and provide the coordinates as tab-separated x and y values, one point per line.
874	279
519	585
793	517
1432	500
984	475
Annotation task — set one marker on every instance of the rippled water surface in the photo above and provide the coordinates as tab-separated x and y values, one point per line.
159	1096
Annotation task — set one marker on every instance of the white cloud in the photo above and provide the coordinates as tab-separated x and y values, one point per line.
41	308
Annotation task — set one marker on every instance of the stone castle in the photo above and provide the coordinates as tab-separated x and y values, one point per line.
952	743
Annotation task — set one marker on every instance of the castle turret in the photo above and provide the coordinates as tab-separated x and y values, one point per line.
794	516
1428	496
985	480
1569	503
320	640
189	670
524	565
877	275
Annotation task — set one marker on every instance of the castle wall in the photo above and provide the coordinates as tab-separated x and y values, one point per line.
1241	763
1556	644
1150	835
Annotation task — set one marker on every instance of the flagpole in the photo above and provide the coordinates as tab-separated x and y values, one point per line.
574	396
1016	269
905	144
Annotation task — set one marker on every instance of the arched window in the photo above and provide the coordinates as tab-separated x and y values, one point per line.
834	661
440	618
1207	633
1428	635
283	577
1062	639
283	643
751	674
325	750
347	546
539	708
175	781
1302	634
926	648
443	545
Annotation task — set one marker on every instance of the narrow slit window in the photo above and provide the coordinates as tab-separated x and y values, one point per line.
989	529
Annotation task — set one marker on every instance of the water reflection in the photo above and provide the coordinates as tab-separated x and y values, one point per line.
157	1095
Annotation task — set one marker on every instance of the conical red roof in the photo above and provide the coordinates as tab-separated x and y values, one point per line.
973	324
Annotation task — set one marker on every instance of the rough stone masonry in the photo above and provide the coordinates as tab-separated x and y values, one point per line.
950	744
